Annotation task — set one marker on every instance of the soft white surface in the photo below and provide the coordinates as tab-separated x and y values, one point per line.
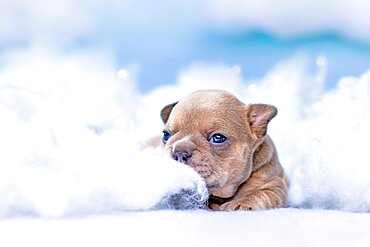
283	227
321	135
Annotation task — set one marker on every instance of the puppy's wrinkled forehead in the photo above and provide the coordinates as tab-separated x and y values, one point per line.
208	108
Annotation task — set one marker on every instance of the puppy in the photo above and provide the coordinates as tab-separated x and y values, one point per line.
225	141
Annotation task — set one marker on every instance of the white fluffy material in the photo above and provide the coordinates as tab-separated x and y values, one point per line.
71	133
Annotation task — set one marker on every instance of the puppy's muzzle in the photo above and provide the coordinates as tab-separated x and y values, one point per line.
181	157
183	151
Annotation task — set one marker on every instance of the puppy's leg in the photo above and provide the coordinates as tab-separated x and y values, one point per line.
258	194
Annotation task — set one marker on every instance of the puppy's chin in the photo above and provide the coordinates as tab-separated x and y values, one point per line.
225	191
216	181
215	178
217	186
214	171
208	168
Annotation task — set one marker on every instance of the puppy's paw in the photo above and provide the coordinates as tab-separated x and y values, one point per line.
239	205
213	206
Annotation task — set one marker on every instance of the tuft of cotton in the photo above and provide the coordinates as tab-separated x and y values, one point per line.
69	144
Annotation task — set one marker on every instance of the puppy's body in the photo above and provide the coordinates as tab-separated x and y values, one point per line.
225	141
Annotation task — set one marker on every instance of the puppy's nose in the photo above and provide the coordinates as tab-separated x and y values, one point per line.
181	157
182	151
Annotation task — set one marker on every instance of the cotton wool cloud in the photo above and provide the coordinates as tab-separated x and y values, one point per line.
73	132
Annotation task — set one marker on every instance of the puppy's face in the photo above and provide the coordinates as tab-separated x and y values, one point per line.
215	134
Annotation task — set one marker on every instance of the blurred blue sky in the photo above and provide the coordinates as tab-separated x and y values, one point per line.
161	38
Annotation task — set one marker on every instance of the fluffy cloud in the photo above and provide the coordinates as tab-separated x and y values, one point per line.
59	22
288	18
49	23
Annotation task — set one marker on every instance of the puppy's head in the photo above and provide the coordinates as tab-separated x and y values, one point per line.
216	134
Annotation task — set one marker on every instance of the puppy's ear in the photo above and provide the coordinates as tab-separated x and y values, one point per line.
259	115
166	111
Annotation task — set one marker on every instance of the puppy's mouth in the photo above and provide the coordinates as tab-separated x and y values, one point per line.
203	170
212	178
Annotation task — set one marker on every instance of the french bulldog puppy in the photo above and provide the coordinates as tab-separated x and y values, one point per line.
226	142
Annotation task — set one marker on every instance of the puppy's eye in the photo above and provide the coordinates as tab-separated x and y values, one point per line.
166	136
218	138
